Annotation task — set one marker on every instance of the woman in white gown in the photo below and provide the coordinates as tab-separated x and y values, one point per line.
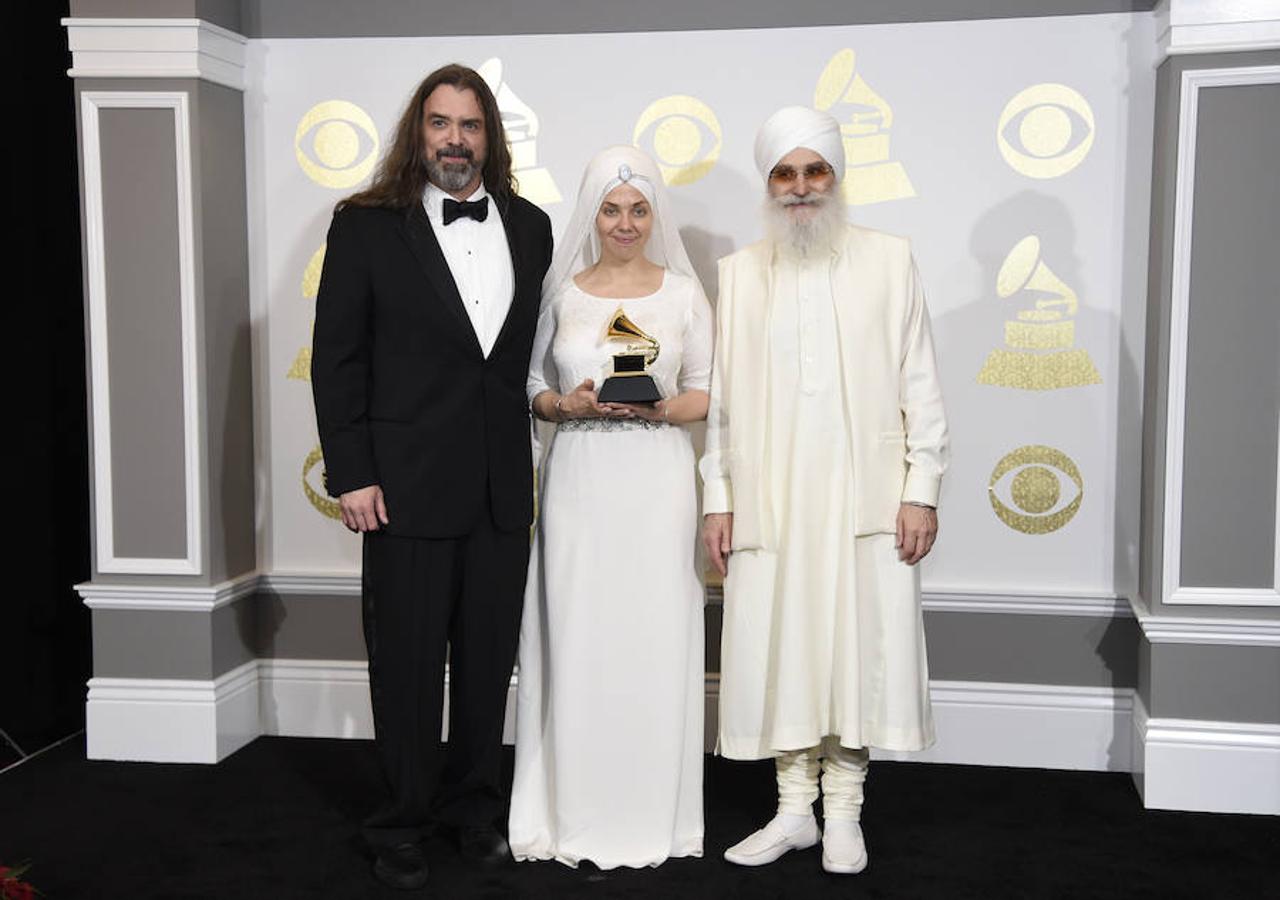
609	732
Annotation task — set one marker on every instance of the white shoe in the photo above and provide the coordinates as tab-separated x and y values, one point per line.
772	841
844	852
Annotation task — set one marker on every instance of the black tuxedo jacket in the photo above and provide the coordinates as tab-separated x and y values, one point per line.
404	396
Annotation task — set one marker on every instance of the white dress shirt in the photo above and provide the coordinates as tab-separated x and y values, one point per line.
479	260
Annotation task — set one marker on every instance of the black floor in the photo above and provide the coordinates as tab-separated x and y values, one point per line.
278	820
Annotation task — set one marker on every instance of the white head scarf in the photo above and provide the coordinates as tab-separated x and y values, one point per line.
799	126
579	246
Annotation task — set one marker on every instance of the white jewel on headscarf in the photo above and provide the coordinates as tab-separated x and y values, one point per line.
799	126
579	246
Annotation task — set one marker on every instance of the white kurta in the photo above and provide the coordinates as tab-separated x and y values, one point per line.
823	634
609	720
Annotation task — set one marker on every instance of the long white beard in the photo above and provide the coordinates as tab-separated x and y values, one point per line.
814	233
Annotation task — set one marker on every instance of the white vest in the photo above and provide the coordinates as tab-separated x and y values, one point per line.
894	402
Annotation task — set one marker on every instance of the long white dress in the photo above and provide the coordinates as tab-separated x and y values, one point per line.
609	721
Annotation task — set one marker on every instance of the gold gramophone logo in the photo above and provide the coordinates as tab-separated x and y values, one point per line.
1045	131
301	367
313	471
336	144
871	176
521	125
1039	352
1035	489
683	136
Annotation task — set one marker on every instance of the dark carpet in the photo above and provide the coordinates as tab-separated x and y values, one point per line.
279	819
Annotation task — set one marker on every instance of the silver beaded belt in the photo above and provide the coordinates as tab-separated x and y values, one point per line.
611	425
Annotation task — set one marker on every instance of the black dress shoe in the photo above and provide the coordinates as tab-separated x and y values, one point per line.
483	844
402	866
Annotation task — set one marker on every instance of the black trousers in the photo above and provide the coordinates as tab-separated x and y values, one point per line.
423	597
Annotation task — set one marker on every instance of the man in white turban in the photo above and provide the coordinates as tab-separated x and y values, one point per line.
826	444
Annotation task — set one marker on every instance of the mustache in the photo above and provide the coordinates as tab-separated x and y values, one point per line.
806	200
454	150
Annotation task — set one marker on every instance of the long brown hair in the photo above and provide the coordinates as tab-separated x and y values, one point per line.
401	177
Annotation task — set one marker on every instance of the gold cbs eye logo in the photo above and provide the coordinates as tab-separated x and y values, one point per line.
300	369
1045	131
1033	478
312	470
336	144
684	137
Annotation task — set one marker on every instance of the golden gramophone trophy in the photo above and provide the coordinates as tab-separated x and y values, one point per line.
630	381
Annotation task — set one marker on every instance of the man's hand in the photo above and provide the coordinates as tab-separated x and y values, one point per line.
917	530
363	509
717	538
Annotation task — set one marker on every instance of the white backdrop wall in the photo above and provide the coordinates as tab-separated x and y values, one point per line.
1015	153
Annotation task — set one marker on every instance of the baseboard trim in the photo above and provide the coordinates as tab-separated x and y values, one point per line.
1042	726
1028	726
172	720
1203	766
1176	763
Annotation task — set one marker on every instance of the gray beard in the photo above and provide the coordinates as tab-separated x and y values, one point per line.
451	176
816	234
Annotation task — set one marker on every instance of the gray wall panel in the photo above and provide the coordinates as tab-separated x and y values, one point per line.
1092	652
304	18
222	219
131	643
225	13
1233	369
1215	683
290	626
144	332
1023	649
233	634
1159	302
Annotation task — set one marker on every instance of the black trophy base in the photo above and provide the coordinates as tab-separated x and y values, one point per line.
638	389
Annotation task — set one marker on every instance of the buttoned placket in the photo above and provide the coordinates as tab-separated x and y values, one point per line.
811	287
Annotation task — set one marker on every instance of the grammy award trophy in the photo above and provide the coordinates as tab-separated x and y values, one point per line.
630	381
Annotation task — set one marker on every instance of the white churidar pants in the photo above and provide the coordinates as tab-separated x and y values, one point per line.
844	771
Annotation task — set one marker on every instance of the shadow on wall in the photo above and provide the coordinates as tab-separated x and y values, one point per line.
704	245
1115	641
1023	364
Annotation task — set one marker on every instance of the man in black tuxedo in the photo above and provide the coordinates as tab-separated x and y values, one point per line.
424	327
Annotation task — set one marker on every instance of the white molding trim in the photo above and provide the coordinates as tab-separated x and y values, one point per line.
156	48
172	720
95	255
341	584
1203	630
315	698
1106	606
1174	593
1045	603
330	698
1028	726
167	597
1217	26
1188	764
1039	726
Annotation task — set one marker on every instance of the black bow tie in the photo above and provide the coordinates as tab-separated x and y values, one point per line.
475	209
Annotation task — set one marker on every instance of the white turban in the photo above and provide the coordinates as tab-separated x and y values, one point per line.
799	126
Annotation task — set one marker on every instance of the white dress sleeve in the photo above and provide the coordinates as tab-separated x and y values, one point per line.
717	490
699	339
543	375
